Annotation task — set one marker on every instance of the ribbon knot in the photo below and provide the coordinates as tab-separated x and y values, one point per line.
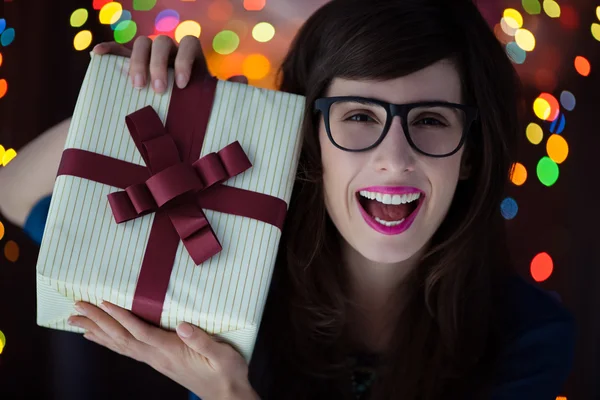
173	184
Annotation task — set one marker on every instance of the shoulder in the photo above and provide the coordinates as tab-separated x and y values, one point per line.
535	336
36	219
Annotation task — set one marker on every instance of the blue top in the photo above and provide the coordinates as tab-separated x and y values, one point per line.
537	336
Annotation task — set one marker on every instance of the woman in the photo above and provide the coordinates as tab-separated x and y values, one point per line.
393	279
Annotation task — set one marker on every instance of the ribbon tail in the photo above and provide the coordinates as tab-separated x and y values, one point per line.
202	245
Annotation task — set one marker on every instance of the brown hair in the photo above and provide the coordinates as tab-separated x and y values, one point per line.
443	340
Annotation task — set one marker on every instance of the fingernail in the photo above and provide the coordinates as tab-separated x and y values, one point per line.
79	309
138	81
185	330
104	308
181	81
159	85
70	321
98	47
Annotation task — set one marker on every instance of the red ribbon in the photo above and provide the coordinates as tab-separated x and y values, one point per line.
176	186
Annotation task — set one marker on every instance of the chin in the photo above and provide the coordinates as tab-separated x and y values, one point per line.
379	255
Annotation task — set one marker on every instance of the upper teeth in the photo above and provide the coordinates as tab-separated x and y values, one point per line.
394	199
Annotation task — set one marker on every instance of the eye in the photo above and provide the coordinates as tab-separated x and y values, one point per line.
360	118
430	121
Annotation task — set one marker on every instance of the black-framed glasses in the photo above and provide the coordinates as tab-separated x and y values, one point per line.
435	128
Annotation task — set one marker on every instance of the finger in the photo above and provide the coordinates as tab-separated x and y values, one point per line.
140	57
117	333
90	326
139	329
112	48
239	79
162	48
188	54
199	341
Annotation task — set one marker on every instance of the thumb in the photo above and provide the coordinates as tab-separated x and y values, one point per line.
198	340
238	79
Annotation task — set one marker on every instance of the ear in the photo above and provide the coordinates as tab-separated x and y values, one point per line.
465	167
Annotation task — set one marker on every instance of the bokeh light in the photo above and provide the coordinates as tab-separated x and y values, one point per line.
2	342
125	31
541	267
513	18
596	31
568	101
98	4
509	208
534	133
237	26
582	65
598	12
110	13
166	20
226	42
220	10
553	104
518	174
8	156
541	108
82	40
569	17
225	67
79	17
2	25
551	8
547	171
7	37
1	59
263	32
254	5
516	54
557	148
11	251
256	66
3	87
1	230
558	126
506	28
143	5
125	16
188	27
532	7
525	39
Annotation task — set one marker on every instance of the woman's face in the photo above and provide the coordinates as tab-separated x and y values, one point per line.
360	185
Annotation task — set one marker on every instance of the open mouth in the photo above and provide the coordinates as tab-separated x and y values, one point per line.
390	213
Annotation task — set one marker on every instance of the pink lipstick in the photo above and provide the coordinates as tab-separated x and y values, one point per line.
406	222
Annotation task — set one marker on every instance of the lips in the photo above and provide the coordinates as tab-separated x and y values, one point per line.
385	202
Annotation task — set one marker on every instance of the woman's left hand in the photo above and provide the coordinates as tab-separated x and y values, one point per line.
210	369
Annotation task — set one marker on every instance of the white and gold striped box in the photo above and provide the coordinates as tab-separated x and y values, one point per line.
86	256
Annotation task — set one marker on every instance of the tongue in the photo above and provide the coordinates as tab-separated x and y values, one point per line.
387	212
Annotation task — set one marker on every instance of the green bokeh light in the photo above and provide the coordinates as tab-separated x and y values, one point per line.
547	171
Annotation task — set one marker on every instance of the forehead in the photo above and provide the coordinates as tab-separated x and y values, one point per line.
437	82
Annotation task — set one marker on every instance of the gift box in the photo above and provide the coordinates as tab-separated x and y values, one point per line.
170	205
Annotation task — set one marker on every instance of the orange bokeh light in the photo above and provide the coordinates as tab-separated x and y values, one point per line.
554	105
254	5
582	65
541	267
11	251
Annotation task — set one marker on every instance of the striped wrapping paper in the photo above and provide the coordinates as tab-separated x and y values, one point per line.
86	256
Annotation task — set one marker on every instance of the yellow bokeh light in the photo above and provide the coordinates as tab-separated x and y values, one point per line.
82	40
510	31
551	8
518	174
79	17
513	18
2	341
596	31
525	39
263	32
256	66
542	109
8	156
1	153
1	230
11	251
557	148
534	133
598	12
110	13
186	28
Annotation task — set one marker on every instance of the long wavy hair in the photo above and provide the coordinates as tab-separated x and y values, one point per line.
443	342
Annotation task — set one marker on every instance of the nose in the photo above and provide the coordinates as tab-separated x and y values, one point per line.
394	153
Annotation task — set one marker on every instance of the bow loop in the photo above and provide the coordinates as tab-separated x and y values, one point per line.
173	182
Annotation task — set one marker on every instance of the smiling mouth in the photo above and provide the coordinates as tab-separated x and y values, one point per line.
390	213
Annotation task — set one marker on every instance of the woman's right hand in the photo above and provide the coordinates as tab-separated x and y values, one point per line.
150	60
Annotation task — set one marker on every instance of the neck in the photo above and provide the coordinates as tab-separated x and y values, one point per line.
375	297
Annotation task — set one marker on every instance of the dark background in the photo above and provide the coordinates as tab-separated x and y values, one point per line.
45	73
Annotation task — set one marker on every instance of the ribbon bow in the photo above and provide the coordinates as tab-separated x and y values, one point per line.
172	182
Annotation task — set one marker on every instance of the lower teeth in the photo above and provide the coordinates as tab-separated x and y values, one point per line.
389	223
